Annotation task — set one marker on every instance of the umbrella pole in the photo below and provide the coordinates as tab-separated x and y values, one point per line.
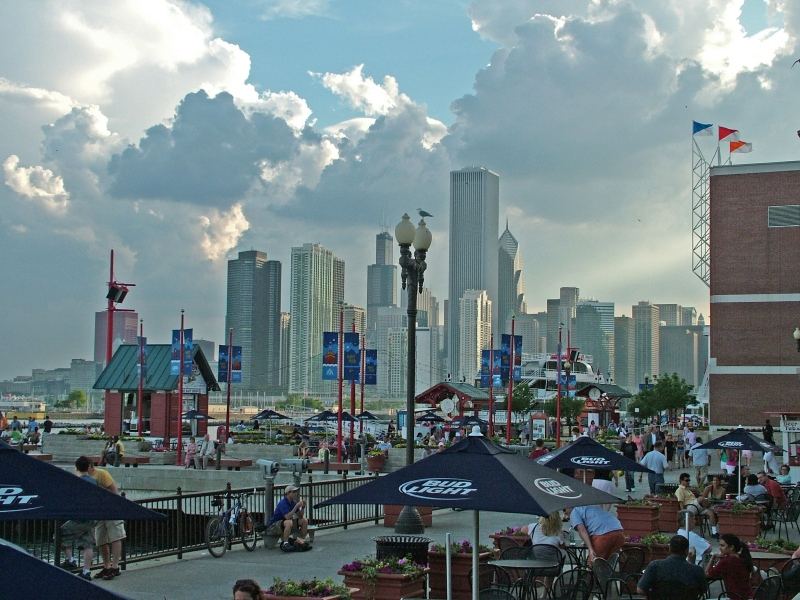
475	551
739	470
448	562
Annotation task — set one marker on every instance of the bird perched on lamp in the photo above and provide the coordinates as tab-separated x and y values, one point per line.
424	213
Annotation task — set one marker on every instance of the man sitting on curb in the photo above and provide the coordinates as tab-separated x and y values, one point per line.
287	517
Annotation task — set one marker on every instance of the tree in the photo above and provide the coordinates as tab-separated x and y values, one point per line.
522	399
76	399
669	393
571	408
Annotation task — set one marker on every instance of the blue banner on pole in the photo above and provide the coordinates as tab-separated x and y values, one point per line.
236	365
330	355
371	367
517	358
188	346
485	354
175	363
351	358
141	357
222	365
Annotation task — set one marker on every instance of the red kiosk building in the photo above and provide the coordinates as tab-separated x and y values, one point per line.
160	407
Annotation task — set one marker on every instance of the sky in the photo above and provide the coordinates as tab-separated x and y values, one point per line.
179	133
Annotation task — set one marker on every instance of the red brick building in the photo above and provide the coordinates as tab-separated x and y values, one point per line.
755	291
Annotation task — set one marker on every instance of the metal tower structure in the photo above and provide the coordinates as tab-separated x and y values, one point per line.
701	265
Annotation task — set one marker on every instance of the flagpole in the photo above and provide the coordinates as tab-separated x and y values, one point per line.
510	384
491	385
340	368
558	389
362	375
140	403
228	387
352	403
180	401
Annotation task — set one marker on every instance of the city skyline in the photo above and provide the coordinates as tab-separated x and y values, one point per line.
179	134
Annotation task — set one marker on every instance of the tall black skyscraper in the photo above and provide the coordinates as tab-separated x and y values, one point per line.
273	330
381	282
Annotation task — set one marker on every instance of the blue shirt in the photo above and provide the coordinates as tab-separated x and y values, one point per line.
284	507
596	520
655	461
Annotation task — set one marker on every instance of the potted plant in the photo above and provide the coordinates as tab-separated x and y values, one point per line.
742	519
308	588
638	517
511	536
376	460
460	567
779	546
385	579
668	510
655	545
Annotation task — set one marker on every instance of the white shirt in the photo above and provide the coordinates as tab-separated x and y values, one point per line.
699	544
538	537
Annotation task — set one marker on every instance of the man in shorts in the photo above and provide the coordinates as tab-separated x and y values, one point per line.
108	534
79	533
287	517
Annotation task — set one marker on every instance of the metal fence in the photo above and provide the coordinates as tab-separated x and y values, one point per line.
187	516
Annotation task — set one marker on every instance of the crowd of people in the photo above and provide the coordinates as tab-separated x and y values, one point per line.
17	432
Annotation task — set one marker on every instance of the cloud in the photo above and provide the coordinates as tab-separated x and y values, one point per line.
27	95
221	231
362	93
209	154
36	183
293	9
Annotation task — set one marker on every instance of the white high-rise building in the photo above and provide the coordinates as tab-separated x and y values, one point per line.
474	216
646	319
511	281
396	361
388	318
475	329
317	285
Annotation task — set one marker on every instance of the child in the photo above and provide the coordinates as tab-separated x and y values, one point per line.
191	451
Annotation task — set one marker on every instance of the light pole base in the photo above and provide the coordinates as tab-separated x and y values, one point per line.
409	521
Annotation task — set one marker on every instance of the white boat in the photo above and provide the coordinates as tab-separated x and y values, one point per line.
539	371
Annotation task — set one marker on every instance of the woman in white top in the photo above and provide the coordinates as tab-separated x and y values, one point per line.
547	530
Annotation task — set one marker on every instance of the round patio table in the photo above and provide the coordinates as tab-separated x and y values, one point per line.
530	566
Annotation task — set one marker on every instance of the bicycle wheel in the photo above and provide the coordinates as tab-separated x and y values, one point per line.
247	529
216	537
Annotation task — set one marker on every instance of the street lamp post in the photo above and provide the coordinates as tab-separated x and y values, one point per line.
412	276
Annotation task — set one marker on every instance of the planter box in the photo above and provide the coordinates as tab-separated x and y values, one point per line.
503	541
667	514
652	552
764	564
386	586
638	520
376	463
392	511
746	525
460	568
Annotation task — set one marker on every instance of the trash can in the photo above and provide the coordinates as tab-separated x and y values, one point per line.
400	546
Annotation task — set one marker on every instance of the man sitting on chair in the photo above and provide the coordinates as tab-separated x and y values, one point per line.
287	517
673	570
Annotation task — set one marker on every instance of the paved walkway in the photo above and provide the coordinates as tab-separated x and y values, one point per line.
199	575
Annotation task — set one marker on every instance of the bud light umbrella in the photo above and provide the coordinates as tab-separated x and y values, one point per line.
52	583
321	417
467	421
477	474
739	440
429	417
269	415
586	453
33	489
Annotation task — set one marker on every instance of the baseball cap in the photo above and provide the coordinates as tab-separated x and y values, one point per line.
292	488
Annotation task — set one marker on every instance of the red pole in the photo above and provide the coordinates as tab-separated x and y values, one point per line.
340	368
558	391
491	385
352	404
179	460
228	387
139	399
363	374
110	314
510	385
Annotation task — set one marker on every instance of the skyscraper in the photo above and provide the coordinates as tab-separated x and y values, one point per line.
594	326
678	352
511	281
286	321
381	281
355	315
317	287
625	354
389	318
552	324
646	324
126	328
475	312
567	307
272	300
247	314
527	326
474	215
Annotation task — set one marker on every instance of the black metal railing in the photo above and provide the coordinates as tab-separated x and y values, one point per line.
187	516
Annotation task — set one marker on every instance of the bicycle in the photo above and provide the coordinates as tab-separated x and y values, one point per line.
230	523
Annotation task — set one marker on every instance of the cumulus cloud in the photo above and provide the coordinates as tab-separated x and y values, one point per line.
27	95
293	9
221	231
36	183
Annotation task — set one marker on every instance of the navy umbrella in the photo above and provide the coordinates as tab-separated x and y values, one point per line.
589	454
429	417
366	416
323	416
33	489
194	414
269	415
51	582
739	440
467	421
346	417
477	474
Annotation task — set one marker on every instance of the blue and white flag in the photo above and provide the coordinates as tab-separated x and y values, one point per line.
702	128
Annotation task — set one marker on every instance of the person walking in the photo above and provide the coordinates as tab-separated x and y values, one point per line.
629	450
657	463
768	432
108	534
